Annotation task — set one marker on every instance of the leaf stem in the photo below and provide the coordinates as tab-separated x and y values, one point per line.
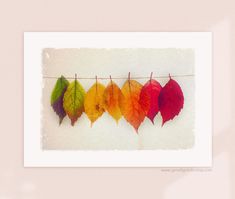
151	76
111	81
96	86
129	82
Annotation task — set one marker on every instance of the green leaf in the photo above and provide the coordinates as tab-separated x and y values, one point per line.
57	97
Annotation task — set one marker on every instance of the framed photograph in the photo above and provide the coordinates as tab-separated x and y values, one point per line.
117	99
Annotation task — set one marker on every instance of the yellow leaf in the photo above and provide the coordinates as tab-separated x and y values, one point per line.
94	104
112	96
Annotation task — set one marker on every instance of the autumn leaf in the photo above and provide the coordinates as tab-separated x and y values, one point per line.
171	100
129	103
57	97
94	103
74	100
112	96
149	98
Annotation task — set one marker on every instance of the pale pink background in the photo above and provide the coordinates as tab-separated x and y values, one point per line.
16	17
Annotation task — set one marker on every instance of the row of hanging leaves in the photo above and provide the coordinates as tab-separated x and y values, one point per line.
133	101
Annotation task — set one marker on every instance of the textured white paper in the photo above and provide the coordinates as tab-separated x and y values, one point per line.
105	133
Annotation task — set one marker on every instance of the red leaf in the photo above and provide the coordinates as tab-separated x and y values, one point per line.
149	98
171	100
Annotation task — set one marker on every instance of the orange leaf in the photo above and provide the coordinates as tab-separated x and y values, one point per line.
129	104
112	97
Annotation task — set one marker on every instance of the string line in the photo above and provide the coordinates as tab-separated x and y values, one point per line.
131	77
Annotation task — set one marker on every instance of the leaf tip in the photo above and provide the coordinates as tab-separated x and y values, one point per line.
152	120
163	122
117	122
60	121
73	122
137	130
